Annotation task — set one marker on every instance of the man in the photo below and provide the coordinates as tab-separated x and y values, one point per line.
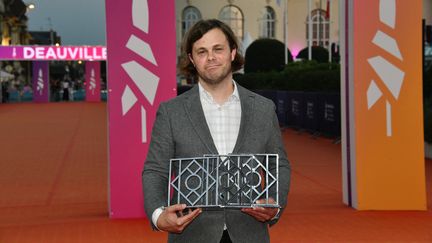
217	116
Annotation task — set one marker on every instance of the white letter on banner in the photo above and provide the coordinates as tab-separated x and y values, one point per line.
86	54
104	53
50	54
40	53
80	51
95	54
73	52
28	53
61	53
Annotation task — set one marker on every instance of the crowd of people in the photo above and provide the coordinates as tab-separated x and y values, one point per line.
12	79
15	90
16	81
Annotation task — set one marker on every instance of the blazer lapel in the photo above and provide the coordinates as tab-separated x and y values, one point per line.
247	105
196	116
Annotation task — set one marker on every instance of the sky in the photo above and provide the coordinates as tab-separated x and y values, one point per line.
78	22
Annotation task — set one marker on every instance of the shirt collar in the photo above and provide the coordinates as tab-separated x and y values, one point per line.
204	94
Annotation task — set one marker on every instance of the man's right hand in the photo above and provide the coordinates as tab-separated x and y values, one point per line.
173	220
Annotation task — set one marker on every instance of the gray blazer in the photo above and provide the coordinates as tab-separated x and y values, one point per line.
181	131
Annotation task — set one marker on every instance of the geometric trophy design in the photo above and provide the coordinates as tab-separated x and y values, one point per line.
231	181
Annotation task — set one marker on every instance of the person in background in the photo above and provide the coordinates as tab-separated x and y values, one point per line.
65	86
5	91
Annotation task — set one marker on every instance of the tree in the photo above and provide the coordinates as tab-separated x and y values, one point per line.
319	54
265	55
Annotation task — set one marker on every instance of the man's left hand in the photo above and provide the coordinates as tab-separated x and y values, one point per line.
262	214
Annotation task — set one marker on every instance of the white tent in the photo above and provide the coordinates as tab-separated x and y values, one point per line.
5	76
247	40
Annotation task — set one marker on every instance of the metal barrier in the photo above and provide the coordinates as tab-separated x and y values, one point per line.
315	112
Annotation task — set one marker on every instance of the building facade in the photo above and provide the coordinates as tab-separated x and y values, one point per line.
253	19
427	11
13	22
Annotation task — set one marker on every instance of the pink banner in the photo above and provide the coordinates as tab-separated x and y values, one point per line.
85	53
142	74
92	81
41	81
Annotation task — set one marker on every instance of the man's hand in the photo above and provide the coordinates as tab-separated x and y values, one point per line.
260	213
174	220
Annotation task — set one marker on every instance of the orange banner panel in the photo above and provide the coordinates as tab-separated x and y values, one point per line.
388	105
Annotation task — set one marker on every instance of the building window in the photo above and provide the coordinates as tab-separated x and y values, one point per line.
232	16
267	23
320	28
190	16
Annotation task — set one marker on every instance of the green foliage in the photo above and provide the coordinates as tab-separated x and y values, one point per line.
427	84
319	54
321	77
427	111
427	105
265	55
296	76
255	81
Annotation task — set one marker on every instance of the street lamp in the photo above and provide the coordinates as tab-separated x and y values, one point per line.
31	6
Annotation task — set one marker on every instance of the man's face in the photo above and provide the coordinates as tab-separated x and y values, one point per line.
212	57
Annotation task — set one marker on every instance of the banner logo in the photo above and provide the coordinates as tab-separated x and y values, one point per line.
92	81
389	74
145	81
40	82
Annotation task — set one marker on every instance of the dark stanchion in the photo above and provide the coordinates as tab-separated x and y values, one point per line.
295	114
330	123
282	107
312	114
269	94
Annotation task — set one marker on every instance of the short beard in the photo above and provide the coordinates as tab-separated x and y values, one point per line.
211	81
216	81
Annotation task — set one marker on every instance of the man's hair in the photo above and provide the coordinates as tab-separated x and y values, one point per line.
195	33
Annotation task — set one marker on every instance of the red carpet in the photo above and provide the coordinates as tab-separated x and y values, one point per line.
53	177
